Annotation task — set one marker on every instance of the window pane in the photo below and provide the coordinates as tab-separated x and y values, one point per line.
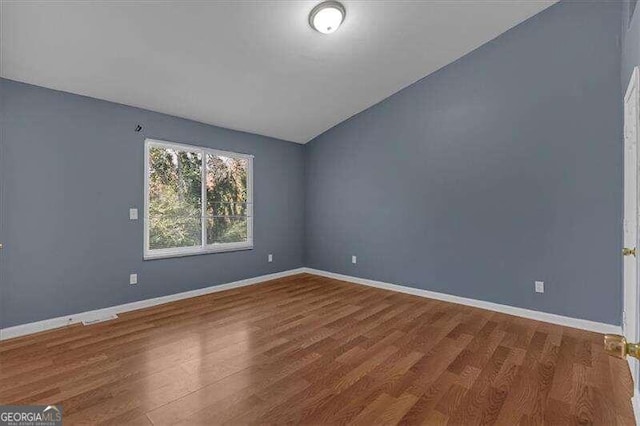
175	198
226	229
226	199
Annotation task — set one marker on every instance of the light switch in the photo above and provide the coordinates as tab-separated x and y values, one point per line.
133	279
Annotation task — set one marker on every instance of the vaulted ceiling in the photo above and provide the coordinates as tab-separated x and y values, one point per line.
254	66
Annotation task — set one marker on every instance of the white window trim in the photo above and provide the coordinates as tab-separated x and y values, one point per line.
204	248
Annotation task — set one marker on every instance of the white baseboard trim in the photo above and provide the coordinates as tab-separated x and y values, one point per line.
91	316
583	324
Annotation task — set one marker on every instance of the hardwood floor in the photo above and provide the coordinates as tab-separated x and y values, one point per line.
307	349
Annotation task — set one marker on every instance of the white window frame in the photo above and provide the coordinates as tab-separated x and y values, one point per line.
203	248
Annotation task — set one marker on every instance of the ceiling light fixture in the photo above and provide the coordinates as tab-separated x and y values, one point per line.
327	16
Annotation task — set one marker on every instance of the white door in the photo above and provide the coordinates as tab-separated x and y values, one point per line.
630	223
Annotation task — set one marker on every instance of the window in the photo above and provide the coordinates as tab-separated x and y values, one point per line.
197	200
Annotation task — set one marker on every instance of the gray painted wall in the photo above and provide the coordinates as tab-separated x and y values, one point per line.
630	40
502	168
71	168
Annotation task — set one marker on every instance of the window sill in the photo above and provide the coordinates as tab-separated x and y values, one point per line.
167	254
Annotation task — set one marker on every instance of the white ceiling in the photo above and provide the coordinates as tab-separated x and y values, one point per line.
255	66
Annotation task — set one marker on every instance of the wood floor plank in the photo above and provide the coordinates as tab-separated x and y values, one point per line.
312	350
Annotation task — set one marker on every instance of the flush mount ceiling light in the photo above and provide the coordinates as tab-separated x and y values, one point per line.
326	17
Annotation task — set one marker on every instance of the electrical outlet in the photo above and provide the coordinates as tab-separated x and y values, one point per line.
354	260
270	258
133	279
539	287
133	214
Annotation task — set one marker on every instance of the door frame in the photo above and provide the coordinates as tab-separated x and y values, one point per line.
630	317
